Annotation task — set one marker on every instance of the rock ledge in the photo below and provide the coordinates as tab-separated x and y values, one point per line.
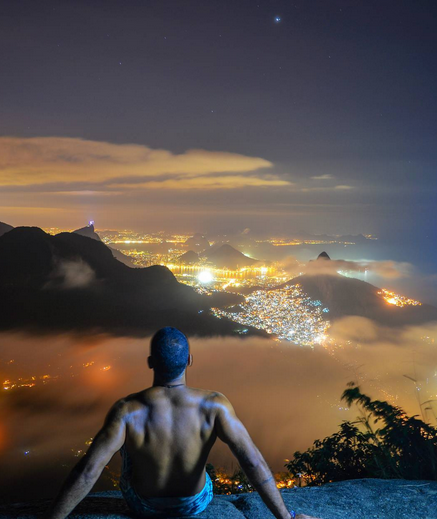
354	499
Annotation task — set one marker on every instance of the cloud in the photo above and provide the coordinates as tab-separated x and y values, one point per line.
326	176
62	164
326	188
72	274
386	269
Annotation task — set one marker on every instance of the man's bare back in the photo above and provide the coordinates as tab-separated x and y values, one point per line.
169	434
165	434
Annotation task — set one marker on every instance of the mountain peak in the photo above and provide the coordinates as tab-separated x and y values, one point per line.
4	228
227	256
88	231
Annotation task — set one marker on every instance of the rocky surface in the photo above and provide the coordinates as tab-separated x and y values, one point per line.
356	499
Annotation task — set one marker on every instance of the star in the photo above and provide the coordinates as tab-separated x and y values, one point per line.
277	19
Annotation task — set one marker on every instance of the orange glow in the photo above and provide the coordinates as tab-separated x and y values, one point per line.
2	438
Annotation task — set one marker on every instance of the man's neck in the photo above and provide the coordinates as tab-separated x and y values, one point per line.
179	381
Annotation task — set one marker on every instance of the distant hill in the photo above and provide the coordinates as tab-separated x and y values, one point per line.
323	256
89	232
348	296
72	282
188	258
226	256
197	243
4	227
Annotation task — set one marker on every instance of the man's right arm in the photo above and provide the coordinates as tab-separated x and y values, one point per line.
232	432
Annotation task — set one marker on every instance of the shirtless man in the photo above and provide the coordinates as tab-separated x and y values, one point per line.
165	434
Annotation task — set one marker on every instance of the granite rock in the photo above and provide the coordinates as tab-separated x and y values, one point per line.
355	499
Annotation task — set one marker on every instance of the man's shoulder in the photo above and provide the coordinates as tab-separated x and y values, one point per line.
149	396
213	399
127	404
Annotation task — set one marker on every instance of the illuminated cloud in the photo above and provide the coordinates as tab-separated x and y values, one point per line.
326	188
215	182
385	269
60	164
327	176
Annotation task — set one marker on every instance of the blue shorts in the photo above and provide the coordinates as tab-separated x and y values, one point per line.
162	506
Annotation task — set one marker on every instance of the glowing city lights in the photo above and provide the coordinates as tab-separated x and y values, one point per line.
395	299
287	312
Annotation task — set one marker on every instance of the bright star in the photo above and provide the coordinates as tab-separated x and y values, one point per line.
278	19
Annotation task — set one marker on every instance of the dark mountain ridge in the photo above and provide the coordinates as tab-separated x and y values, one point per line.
188	258
226	256
5	227
90	232
72	282
349	296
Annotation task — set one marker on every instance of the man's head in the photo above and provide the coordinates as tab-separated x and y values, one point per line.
169	353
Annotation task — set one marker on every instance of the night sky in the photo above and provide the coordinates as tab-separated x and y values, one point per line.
215	115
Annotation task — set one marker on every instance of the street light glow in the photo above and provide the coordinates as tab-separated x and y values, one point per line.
205	276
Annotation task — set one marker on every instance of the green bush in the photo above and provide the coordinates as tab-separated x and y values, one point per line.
398	447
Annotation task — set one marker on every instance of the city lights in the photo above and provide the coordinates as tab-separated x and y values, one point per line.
288	313
395	299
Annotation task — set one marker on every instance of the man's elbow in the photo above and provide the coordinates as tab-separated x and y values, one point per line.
88	472
249	465
248	461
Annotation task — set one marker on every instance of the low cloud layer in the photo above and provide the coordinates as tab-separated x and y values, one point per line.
385	269
286	395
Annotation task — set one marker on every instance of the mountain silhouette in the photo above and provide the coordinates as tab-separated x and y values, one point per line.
188	258
72	282
4	227
226	256
89	232
323	256
349	296
197	243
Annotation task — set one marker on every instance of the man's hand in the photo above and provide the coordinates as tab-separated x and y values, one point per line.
82	478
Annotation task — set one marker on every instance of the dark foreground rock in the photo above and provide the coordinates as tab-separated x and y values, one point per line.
356	499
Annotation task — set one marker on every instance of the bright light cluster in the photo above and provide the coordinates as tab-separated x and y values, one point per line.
27	382
396	299
288	313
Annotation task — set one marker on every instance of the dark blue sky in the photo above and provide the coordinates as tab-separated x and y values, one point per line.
339	97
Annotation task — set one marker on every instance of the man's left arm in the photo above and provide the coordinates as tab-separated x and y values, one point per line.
84	475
